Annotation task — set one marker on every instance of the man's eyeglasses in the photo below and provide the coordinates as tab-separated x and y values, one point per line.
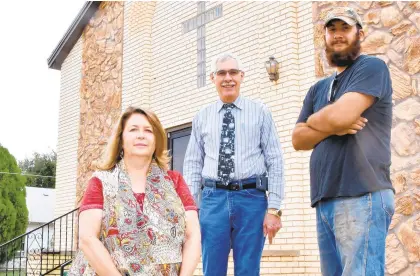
232	72
332	90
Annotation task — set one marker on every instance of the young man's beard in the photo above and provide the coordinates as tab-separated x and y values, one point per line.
345	57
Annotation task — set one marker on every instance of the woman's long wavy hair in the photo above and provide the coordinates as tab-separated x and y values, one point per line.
114	148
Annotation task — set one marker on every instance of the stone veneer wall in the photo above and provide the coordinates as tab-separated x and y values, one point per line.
393	34
100	92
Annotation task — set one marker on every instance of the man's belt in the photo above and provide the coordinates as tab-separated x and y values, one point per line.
235	185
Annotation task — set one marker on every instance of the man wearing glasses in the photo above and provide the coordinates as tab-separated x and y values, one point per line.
346	119
234	155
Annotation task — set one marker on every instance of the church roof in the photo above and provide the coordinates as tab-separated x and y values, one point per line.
73	33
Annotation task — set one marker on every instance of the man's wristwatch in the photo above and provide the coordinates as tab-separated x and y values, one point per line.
276	212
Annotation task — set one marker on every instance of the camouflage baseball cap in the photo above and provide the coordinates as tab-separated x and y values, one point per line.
345	14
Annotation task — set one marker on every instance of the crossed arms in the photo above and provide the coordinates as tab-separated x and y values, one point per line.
340	118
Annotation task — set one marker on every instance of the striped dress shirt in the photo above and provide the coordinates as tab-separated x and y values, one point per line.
257	147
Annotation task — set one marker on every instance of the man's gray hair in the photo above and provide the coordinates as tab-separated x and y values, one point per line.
224	57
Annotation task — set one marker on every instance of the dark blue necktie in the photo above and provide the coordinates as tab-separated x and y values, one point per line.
226	168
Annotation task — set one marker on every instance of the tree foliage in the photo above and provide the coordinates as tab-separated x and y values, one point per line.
13	210
40	164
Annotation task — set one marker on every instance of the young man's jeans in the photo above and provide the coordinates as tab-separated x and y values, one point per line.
352	233
232	219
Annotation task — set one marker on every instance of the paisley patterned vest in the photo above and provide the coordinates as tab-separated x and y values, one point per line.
147	242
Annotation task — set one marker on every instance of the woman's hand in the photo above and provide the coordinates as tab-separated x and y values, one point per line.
191	251
95	252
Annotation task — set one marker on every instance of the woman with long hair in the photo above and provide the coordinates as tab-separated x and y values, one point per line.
137	217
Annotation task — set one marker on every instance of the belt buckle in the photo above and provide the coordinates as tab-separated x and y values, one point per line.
235	187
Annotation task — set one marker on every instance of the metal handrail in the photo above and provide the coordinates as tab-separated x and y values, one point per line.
63	265
44	249
27	233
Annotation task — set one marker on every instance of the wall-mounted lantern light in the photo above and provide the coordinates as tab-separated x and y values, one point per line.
272	67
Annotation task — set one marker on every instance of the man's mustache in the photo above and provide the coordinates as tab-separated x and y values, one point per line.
229	83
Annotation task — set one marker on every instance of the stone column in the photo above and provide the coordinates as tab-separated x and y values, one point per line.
100	92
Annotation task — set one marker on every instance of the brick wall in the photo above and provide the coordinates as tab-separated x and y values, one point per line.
68	131
137	55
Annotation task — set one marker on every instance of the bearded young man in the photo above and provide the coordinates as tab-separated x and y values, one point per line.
346	119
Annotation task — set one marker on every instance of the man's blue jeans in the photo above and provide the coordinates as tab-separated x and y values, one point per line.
352	233
232	219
